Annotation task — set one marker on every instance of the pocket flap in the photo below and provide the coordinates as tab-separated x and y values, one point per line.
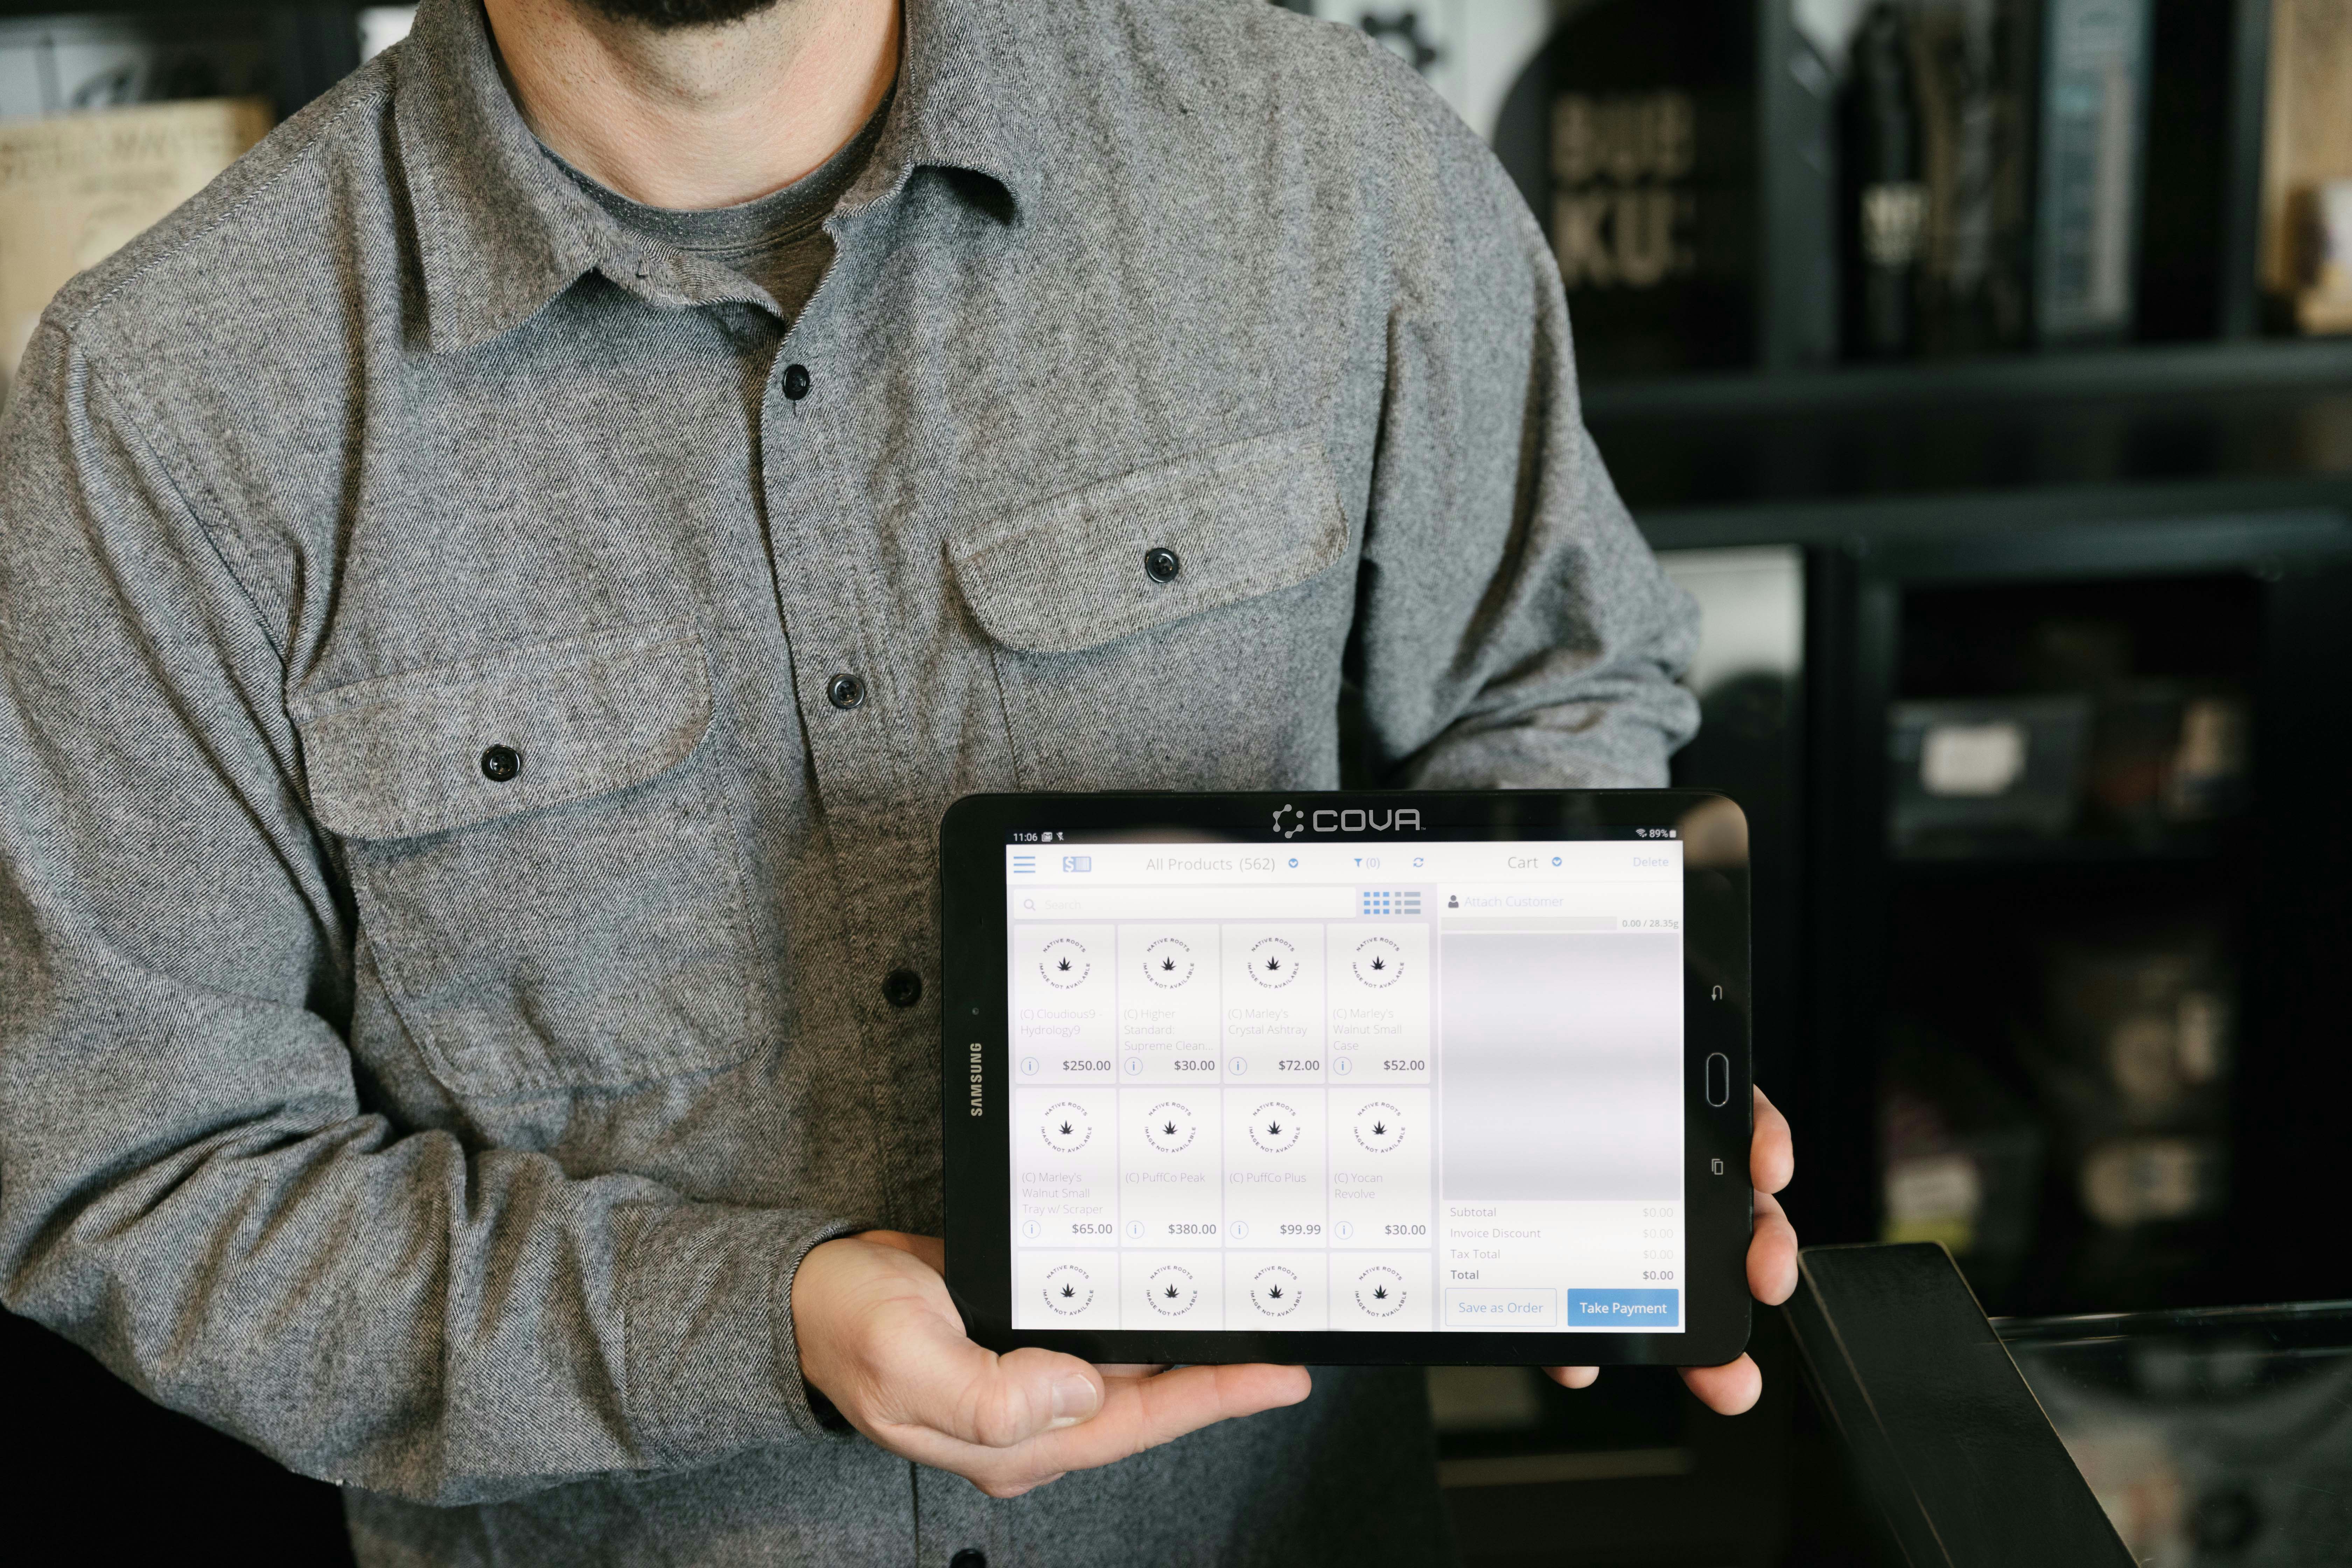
403	755
1241	519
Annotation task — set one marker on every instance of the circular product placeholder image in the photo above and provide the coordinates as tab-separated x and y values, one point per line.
1066	1127
1069	1290
1064	963
1379	1291
1379	1128
1273	1127
1273	963
1167	963
1378	963
1274	1291
1171	1290
1171	1127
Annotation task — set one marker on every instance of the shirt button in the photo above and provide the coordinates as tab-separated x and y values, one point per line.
1161	563
969	1557
796	381
902	988
844	691
500	764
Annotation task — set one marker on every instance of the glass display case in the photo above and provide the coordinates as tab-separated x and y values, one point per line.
2208	1437
1900	1427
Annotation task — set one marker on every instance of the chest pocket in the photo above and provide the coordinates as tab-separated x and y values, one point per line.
547	873
1178	626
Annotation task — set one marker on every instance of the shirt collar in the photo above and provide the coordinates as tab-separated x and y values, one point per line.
500	231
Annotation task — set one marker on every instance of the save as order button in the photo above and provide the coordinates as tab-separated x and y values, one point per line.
1489	1307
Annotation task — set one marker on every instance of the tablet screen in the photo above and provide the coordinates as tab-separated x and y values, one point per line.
1337	1085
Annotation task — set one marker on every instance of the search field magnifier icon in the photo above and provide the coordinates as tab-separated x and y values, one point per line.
1030	905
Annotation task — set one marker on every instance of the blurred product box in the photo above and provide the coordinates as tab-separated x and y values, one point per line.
2164	756
1632	134
1936	151
2306	214
2141	1036
2094	134
1961	1159
1630	128
1967	774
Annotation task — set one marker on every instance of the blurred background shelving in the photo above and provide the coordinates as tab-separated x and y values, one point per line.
1976	363
2027	635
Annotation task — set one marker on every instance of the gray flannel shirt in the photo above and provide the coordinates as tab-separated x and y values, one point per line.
456	1139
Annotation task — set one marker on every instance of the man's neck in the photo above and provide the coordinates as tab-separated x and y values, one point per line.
698	117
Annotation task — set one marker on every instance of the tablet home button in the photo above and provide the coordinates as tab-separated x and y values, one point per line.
1719	1079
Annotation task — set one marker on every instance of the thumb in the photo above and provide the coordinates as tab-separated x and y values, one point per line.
946	1382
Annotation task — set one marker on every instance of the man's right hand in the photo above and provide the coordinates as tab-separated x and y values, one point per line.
879	1337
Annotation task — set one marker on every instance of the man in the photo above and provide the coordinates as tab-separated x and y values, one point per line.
494	596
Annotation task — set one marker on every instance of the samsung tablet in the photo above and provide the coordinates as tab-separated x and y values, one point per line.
1349	1079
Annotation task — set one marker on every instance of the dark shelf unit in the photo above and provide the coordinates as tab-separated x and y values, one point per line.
2196	274
2278	542
310	46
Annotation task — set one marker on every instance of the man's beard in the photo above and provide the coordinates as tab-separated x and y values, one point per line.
663	15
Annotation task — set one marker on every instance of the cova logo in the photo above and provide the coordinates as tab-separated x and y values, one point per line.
1352	819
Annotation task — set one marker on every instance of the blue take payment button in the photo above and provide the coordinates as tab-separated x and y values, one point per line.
1625	1308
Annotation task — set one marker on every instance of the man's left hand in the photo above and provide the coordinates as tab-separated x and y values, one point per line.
1771	1268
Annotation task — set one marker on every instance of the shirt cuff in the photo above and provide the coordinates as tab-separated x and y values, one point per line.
712	1363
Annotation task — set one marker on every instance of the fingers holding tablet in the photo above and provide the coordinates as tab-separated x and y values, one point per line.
1772	1151
1728	1389
1735	1386
879	1337
1772	1254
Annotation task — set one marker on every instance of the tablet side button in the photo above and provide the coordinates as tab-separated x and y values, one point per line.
1719	1079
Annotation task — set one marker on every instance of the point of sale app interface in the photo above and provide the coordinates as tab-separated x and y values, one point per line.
1347	1085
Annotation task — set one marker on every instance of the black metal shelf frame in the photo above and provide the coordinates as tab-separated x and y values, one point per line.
2298	853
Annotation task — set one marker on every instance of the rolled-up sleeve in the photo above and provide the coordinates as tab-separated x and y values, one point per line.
1513	629
191	1185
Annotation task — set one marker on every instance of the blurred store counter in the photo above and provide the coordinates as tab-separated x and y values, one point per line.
1901	1427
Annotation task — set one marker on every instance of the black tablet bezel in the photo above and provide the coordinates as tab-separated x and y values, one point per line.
1718	1209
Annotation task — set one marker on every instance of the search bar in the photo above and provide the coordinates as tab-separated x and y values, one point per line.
1246	903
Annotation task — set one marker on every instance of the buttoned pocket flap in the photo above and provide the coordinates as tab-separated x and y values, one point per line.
433	750
1236	521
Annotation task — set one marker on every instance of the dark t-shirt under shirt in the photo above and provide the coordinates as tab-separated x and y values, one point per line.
777	241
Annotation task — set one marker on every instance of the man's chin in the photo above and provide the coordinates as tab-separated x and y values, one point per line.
666	15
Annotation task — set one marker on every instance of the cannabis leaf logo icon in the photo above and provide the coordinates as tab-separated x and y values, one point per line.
1379	1129
1273	963
1379	963
1379	1292
1068	1292
1169	1291
1063	964
1274	1129
1168	964
1274	1292
1168	1130
1068	1129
